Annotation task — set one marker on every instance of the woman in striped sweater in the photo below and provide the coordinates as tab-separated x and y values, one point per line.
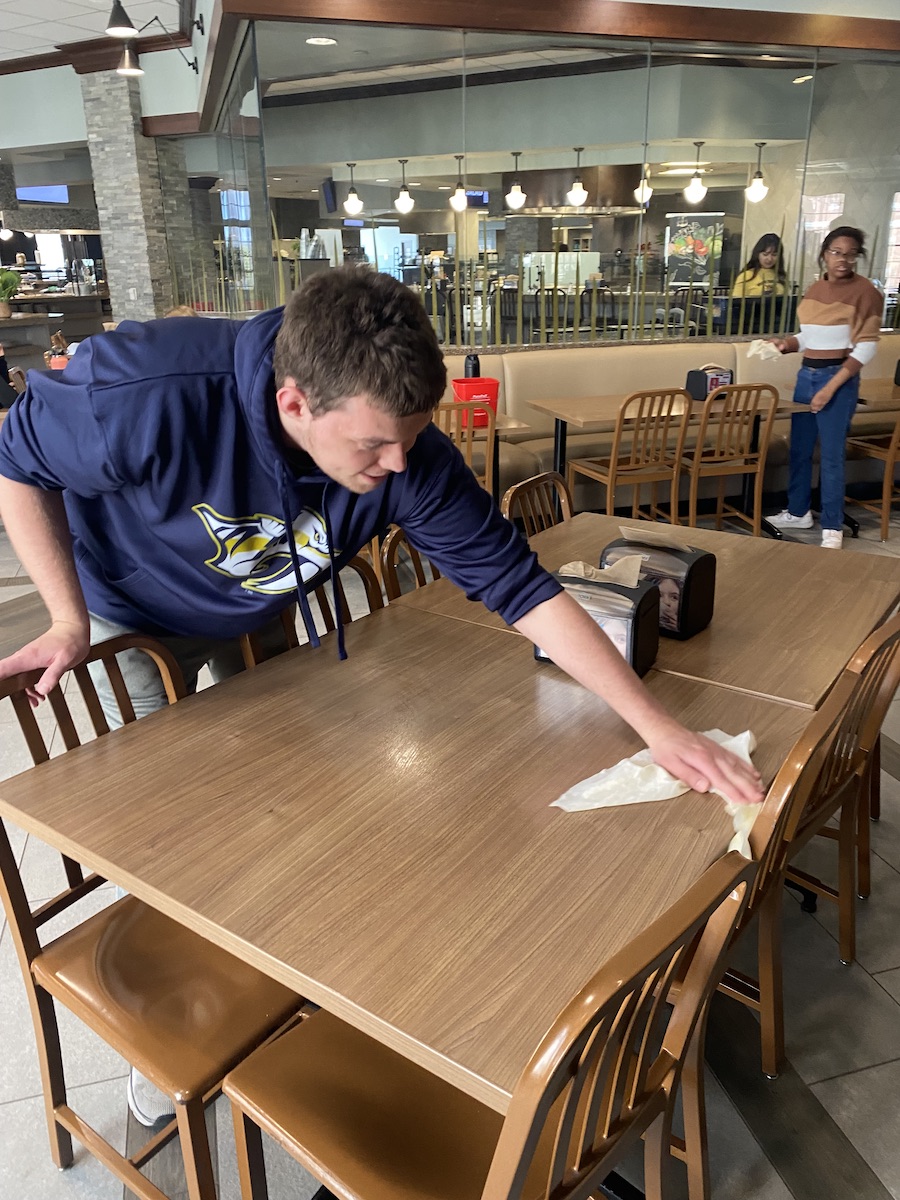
840	319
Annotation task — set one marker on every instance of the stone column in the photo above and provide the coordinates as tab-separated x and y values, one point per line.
8	199
189	228
125	166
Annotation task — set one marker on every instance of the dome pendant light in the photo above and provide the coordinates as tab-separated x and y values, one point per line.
577	196
130	64
757	190
353	206
119	24
644	191
404	202
515	197
696	190
459	201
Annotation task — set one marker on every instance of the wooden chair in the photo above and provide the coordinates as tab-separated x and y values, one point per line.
372	1125
456	418
538	502
733	439
647	448
884	447
254	652
392	547
827	772
176	1007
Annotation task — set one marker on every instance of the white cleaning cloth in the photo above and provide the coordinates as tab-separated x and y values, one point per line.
638	780
760	348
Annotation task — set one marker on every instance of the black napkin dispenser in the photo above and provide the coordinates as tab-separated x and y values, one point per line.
628	616
706	380
686	580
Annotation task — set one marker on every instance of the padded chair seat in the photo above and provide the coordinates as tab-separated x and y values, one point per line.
415	1137
201	1009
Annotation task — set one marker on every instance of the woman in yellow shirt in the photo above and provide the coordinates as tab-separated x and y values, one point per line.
764	274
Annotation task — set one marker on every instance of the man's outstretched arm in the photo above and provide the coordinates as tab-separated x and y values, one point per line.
564	630
36	522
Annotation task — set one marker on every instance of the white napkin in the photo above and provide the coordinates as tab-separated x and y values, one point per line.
626	571
639	780
760	348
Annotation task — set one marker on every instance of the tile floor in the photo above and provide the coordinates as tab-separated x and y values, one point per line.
842	1089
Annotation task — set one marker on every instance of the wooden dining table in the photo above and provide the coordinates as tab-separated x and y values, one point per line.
787	616
378	833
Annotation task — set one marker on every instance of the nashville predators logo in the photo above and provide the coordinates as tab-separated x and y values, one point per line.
256	549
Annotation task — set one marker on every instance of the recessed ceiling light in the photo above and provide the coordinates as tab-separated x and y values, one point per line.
684	171
414	185
680	162
803	79
276	179
443	187
382	181
321	41
314	191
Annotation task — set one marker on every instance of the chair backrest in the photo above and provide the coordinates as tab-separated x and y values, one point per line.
456	419
598	305
534	502
393	547
727	422
252	648
830	754
39	738
651	428
610	1062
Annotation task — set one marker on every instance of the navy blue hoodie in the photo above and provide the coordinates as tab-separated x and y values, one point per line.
179	488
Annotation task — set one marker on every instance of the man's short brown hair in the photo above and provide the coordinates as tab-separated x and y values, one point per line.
351	332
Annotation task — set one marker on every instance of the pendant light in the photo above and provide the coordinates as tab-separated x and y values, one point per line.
404	202
130	64
577	196
119	24
757	190
644	191
696	190
515	197
459	201
353	206
6	234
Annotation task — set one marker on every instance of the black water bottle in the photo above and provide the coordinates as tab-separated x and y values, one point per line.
473	366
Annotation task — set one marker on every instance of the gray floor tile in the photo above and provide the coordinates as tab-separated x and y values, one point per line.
42	871
27	1171
877	919
865	1106
891	724
886	832
890	981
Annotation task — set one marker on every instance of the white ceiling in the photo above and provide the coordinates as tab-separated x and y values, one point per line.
39	26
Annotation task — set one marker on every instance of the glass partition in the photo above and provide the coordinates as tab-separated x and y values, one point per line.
559	189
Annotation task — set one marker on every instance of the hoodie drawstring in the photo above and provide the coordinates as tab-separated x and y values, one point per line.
335	584
305	610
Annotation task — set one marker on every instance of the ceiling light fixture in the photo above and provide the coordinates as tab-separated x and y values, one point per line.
120	26
644	191
577	195
5	233
404	202
459	201
802	79
757	190
515	197
696	190
321	41
353	206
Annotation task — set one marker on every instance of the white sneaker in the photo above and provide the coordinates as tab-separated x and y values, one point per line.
832	539
147	1103
787	520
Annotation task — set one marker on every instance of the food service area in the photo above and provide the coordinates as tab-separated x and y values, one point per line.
449	601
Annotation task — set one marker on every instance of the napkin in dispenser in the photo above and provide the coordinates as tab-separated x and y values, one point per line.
686	578
628	615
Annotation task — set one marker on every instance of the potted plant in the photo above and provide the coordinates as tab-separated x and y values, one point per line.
9	285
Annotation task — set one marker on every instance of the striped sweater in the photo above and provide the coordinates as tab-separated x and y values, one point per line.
840	318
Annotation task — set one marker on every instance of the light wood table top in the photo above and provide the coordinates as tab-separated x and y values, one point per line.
787	616
597	412
879	393
21	620
377	833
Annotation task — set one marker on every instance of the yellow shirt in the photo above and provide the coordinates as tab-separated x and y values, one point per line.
764	283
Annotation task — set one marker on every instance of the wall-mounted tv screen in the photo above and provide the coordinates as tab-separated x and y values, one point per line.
329	195
57	193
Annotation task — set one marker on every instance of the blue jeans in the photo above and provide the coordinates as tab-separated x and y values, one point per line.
830	426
